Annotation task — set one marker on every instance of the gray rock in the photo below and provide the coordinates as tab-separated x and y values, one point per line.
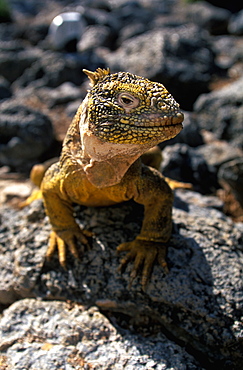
236	24
210	17
72	108
95	36
10	44
179	57
8	32
183	163
132	30
27	8
221	112
102	17
25	135
54	335
131	12
228	54
63	94
198	304
218	152
5	90
13	63
231	173
33	33
194	203
53	69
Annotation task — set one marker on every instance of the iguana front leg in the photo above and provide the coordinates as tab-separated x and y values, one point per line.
151	244
65	231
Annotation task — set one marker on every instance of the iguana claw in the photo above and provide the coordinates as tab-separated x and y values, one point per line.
144	254
67	239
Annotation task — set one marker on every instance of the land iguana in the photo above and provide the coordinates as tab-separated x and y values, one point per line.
122	117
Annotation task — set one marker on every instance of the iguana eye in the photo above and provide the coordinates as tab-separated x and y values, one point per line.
127	101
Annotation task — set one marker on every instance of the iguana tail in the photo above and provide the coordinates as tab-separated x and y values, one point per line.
36	176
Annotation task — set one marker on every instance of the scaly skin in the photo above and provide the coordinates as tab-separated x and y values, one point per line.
122	116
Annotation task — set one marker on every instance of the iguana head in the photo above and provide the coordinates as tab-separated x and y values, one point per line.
122	116
127	109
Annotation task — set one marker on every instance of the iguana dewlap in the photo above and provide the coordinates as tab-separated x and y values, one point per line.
122	116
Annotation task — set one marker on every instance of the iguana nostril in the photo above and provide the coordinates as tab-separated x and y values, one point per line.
178	118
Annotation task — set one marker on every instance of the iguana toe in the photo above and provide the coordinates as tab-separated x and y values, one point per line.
144	254
63	240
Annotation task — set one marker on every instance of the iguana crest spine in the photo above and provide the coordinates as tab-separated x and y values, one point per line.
97	75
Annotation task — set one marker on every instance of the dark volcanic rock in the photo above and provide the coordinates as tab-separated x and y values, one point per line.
218	152
5	90
56	335
33	33
72	108
179	57
228	50
198	303
182	163
221	112
132	30
95	36
207	16
236	24
63	94
53	69
101	17
13	62
25	134
231	173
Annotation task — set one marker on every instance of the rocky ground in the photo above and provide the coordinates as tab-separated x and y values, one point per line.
85	317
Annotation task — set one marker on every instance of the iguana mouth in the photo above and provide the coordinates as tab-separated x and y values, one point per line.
126	133
157	120
146	120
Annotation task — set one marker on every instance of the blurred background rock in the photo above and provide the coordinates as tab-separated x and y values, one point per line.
195	48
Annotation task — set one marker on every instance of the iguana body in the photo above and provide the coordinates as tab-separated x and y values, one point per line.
122	116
